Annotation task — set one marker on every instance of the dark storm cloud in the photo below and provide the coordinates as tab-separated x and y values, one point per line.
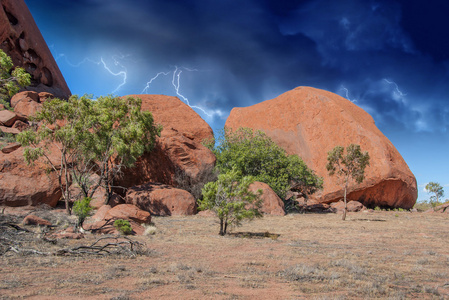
254	50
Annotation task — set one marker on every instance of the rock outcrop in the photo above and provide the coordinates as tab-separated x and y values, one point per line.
178	150
24	185
272	204
310	122
21	39
161	200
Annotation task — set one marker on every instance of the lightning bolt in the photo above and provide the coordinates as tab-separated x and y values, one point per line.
176	82
347	94
397	91
123	73
147	86
120	73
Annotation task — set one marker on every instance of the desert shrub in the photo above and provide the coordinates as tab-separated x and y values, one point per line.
82	208
253	153
123	226
230	198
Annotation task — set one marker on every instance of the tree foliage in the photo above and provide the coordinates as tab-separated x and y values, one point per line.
253	153
82	208
436	189
91	136
230	198
11	79
349	166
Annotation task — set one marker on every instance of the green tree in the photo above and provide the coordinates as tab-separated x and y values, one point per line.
231	200
253	153
82	208
349	166
63	133
90	136
11	79
436	189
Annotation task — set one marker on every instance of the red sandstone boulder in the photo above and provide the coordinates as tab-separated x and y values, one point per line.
23	185
35	220
100	214
128	212
161	200
312	205
20	125
27	107
272	204
21	39
7	118
351	206
24	96
11	148
10	130
310	122
179	148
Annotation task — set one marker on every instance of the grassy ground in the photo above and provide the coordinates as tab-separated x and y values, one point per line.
377	254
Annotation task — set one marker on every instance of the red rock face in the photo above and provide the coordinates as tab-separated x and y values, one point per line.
23	185
272	204
310	122
161	200
178	148
21	39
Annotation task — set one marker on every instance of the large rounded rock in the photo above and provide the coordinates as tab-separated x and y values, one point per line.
271	203
178	150
161	199
310	122
128	212
21	39
23	185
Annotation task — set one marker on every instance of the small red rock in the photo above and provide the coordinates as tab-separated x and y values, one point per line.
11	148
7	118
35	220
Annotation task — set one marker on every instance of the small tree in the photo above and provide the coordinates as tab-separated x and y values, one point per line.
347	167
82	208
437	190
11	79
231	200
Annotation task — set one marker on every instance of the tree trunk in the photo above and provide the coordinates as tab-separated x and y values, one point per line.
346	205
221	227
225	227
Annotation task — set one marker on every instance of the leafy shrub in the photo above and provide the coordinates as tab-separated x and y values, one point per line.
82	208
231	200
253	153
123	226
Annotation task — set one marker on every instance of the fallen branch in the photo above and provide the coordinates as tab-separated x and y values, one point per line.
114	245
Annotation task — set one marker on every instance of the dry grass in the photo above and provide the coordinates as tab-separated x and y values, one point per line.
371	255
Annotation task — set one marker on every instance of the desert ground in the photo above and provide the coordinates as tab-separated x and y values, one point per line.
373	254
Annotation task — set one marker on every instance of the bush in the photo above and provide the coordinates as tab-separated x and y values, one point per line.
82	208
231	200
253	153
123	226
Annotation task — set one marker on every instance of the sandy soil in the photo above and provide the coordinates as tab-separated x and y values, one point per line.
377	254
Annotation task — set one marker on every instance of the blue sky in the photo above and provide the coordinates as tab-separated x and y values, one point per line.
389	57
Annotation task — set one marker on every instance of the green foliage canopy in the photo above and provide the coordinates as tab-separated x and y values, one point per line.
92	136
253	153
230	198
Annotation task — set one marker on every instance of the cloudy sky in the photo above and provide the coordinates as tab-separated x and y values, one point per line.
390	57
